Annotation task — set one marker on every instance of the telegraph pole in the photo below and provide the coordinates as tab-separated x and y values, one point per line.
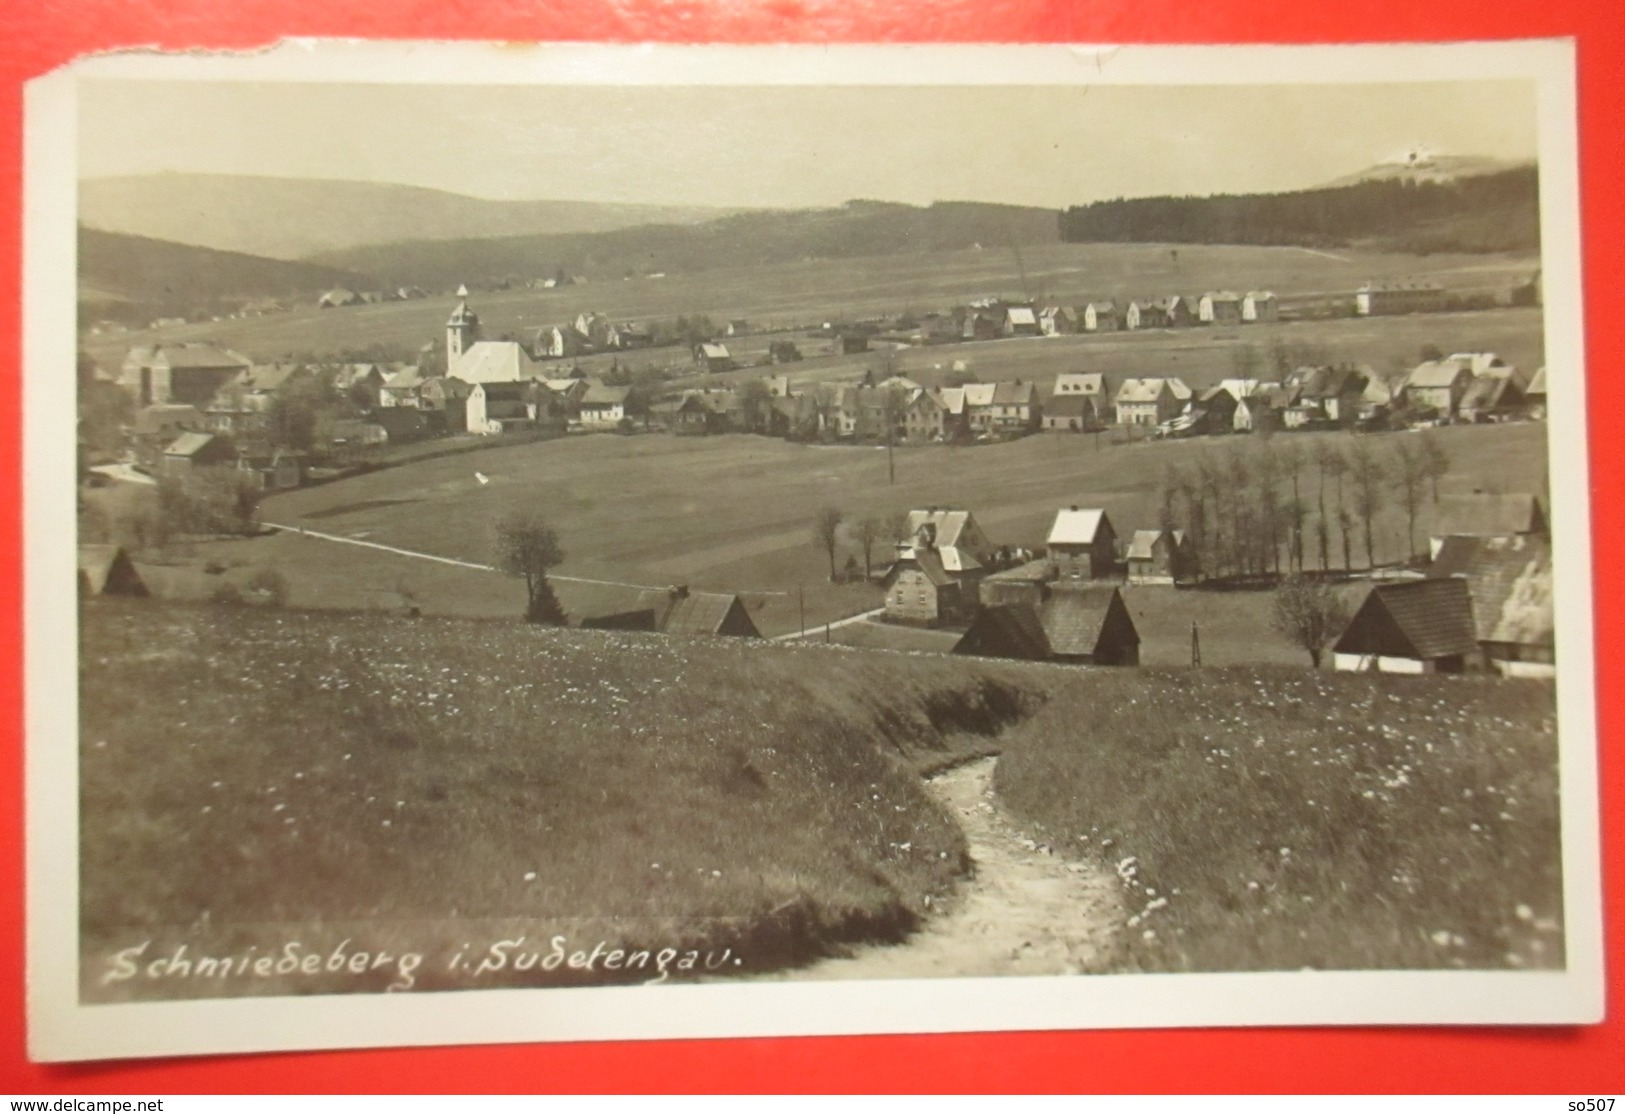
801	598
1196	645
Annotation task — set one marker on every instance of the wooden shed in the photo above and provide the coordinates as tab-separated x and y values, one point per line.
1080	624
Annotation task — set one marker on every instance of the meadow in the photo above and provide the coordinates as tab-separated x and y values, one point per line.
426	788
1280	819
798	295
733	513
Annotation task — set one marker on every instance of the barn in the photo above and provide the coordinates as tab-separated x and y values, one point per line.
1485	515
1077	624
1415	626
677	611
1510	582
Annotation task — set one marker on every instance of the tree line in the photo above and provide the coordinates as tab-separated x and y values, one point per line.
1267	507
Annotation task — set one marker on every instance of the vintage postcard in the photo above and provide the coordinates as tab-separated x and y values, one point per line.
573	542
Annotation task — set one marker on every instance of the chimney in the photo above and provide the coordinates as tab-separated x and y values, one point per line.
1074	507
678	591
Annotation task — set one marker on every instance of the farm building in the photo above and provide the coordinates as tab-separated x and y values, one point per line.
1212	411
602	406
1260	305
462	332
1079	624
1072	413
106	570
1026	583
977	324
702	412
1510	582
1020	321
1082	543
197	450
497	361
1161	557
1327	394
1415	626
243	403
1147	402
1145	315
186	374
1100	317
1094	386
955	534
400	388
337	297
679	612
360	383
925	417
554	343
1437	385
1377	298
1219	307
1491	398
1485	515
713	358
162	424
978	406
1015	407
1057	321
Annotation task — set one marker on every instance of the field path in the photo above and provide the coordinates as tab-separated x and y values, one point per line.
1024	912
813	632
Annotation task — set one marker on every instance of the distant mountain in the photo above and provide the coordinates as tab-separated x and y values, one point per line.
1497	211
1423	167
857	228
290	218
132	278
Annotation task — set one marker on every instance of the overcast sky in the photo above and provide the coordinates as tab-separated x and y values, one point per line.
796	146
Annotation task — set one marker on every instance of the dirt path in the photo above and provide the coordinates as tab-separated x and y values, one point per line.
1024	912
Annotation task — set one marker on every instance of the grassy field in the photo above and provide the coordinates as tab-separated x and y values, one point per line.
734	513
800	294
1280	819
418	788
446	799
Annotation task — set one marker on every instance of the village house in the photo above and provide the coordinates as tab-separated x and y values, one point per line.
713	358
191	451
1100	317
702	412
1016	408
979	407
1325	395
106	570
1020	321
1219	307
925	416
1485	515
1082	544
155	427
400	388
1379	298
852	342
1078	624
243	403
978	324
630	335
601	406
1161	557
439	393
1093	386
554	343
1212	411
1415	626
1492	398
933	580
1057	321
1070	414
185	374
1510	582
1145	315
360	384
271	468
1147	402
1260	305
1437	385
501	407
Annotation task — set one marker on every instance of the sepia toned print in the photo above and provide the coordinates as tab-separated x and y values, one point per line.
746	543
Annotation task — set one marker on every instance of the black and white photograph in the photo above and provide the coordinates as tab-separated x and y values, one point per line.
583	542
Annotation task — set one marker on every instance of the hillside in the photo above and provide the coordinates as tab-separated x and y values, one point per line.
858	228
289	218
134	277
1478	213
1425	167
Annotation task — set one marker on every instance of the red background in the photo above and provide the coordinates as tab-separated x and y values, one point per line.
39	35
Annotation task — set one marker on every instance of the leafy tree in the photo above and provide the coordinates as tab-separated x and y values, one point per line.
1430	354
826	531
1308	613
527	546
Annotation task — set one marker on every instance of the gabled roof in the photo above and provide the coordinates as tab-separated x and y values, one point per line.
1080	383
497	361
953	399
1435	373
1510	581
108	568
979	394
1013	394
1261	295
206	356
1076	527
1537	385
950	524
1486	392
1015	628
158	419
266	378
598	394
1143	544
1021	315
1073	616
1484	515
691	613
1102	307
1222	296
1141	390
715	351
407	379
928	561
1177	386
189	444
1424	619
1239	388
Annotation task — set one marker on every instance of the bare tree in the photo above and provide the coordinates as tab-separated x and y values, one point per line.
1409	471
893	412
867	532
527	546
827	534
1368	477
1292	461
1435	460
1168	490
1308	613
1328	462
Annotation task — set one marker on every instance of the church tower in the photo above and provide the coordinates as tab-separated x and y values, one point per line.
462	330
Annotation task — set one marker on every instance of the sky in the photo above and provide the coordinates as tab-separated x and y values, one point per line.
796	146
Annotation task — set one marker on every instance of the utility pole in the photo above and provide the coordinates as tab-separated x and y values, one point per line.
801	598
1196	646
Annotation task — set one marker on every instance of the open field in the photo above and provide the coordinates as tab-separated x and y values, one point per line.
375	785
734	512
797	295
1278	819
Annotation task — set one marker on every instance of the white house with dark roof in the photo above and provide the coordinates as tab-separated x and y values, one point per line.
1149	402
